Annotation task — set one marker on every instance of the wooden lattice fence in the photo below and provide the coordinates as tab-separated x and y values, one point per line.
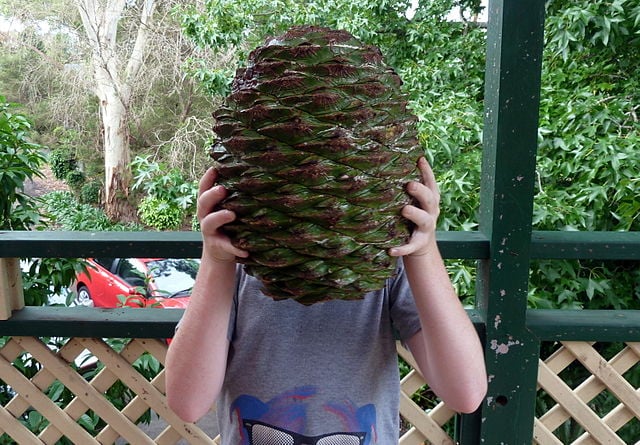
59	367
606	378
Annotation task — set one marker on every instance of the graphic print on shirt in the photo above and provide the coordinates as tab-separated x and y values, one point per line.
282	420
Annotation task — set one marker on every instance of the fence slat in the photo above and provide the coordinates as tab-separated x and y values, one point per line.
590	388
154	398
425	424
600	368
542	435
18	431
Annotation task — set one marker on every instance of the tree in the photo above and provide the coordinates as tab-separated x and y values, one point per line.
114	77
49	67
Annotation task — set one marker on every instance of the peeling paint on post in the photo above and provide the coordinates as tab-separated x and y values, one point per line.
512	90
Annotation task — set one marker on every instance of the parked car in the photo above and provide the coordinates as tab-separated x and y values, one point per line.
136	282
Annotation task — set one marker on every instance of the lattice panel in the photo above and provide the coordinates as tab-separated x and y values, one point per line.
53	367
578	405
30	394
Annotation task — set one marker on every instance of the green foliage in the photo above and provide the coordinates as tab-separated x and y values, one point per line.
215	81
609	27
225	24
170	197
67	213
160	214
62	162
45	277
75	179
588	160
20	160
90	192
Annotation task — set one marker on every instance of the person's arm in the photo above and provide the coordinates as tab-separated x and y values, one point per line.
447	348
197	357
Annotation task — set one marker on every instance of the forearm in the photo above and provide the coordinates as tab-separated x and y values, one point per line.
197	356
451	356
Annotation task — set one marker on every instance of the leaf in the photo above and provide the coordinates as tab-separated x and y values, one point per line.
55	390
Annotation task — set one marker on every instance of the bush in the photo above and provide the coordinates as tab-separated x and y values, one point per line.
170	197
160	214
20	160
90	192
62	162
48	277
75	179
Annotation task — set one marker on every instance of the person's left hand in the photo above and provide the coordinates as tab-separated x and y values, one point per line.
424	216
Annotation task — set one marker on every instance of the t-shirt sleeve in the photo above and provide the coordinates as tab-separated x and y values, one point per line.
240	277
402	307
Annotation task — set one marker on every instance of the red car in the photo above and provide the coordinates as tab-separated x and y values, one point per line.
136	282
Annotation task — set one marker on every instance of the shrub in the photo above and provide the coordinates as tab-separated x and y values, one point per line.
160	214
75	179
90	192
170	197
20	160
62	162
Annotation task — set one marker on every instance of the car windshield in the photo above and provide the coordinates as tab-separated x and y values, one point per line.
173	275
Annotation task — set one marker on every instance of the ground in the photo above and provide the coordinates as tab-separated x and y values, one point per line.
42	185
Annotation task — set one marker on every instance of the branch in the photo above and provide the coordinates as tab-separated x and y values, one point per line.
137	54
89	22
100	22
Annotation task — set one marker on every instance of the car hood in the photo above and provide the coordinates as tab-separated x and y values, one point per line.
169	303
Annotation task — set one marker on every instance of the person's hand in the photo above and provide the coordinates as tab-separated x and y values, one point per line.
424	216
216	245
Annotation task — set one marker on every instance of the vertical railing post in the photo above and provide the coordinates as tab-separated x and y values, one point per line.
11	292
512	97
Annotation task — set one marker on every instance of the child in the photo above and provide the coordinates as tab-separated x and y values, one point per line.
283	373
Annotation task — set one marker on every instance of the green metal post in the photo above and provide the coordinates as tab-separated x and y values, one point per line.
512	97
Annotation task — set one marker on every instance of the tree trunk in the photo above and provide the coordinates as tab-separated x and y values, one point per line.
114	117
113	86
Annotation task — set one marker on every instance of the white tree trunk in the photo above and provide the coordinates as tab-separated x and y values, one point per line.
114	74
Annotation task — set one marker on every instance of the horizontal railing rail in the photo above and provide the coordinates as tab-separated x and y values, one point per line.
545	324
53	321
452	244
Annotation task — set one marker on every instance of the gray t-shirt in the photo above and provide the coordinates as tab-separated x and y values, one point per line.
325	374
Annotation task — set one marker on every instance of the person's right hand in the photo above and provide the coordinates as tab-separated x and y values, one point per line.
216	245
